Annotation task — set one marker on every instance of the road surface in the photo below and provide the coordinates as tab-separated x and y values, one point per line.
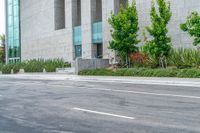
67	106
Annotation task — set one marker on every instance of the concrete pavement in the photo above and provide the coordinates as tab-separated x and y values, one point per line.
74	106
189	82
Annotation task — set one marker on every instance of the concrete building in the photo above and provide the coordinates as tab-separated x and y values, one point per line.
77	28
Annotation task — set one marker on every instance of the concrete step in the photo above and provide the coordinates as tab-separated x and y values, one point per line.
70	71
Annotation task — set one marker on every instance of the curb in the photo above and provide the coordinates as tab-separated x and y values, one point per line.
127	80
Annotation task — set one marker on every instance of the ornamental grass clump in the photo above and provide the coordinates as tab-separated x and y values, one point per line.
51	65
184	58
34	65
6	69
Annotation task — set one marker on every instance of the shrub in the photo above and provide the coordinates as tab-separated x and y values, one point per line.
18	66
51	65
6	69
139	59
146	72
120	72
100	72
189	73
34	66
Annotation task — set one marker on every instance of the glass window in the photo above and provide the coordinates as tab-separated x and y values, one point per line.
77	35
78	51
13	30
97	32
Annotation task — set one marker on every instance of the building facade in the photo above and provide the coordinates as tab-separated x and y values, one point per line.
77	28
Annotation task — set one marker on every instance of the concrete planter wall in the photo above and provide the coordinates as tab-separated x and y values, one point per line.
84	64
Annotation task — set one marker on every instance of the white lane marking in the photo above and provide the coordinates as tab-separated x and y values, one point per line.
103	113
145	93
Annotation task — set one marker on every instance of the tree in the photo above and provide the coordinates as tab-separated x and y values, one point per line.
3	39
192	26
124	31
2	50
160	46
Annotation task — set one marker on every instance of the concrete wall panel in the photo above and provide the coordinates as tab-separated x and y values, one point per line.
39	39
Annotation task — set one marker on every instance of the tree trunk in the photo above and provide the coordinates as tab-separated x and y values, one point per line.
127	61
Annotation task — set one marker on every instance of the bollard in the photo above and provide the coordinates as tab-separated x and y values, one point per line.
12	71
21	71
44	70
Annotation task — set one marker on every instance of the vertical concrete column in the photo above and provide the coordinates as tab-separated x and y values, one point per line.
75	13
86	21
117	4
108	6
69	28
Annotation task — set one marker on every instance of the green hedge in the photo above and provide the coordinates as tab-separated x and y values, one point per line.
1	66
145	72
34	66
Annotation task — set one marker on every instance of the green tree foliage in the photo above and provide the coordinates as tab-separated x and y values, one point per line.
160	46
192	26
2	49
2	57
3	39
124	30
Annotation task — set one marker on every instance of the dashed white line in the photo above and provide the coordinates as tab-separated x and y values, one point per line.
103	113
145	93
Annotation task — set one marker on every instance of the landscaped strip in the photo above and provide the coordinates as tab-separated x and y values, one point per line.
145	72
36	65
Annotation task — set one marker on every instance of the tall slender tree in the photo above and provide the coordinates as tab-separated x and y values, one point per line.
124	31
160	46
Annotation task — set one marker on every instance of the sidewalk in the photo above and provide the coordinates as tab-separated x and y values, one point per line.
131	80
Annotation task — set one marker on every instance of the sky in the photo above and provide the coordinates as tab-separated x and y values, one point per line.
2	17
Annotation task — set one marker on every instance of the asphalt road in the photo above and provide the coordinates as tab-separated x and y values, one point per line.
33	106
